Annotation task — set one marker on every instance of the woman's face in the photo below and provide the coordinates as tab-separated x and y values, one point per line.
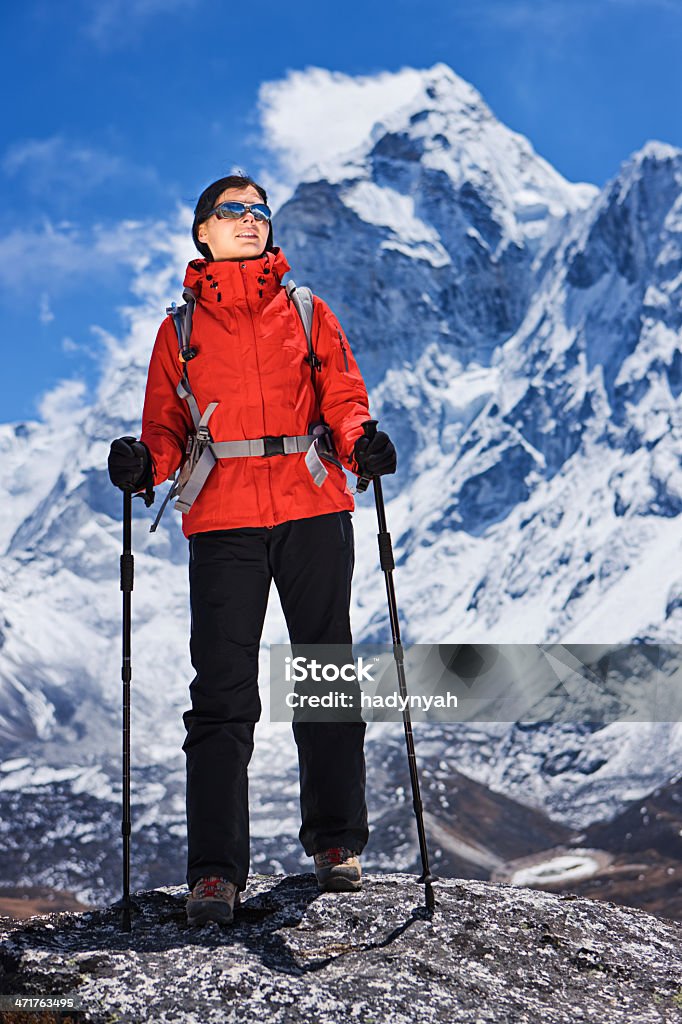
235	239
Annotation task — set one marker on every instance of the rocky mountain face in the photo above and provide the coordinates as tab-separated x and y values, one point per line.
520	336
489	953
429	234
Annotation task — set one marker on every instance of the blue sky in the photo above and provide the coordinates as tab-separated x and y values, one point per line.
118	113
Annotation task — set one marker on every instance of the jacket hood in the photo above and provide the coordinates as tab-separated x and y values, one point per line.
225	281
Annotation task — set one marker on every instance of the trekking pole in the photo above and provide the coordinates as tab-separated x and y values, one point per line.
388	565
127	567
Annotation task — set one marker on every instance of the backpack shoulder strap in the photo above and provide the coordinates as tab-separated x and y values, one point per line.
302	299
182	318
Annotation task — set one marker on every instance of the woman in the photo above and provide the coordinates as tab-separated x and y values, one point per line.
257	518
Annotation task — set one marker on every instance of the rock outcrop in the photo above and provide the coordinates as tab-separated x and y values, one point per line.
490	954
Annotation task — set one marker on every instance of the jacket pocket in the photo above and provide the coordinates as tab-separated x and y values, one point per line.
344	350
345	526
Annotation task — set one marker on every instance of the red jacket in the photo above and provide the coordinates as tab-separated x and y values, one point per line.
250	347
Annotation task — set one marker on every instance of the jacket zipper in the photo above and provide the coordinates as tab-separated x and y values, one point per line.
343	349
260	381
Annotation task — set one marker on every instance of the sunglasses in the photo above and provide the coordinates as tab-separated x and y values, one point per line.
234	211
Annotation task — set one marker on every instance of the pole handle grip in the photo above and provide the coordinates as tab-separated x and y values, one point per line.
386	552
127	572
370	428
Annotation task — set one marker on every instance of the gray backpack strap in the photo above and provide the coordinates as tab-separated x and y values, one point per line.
184	392
302	299
323	446
199	462
197	444
191	301
196	478
182	319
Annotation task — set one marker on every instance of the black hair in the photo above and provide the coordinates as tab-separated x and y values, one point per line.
207	201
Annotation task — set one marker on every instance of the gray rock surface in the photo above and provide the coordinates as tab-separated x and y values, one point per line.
491	954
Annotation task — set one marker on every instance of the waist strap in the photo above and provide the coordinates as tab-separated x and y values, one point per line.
281	445
258	446
203	453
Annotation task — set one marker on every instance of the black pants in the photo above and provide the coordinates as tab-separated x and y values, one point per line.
311	561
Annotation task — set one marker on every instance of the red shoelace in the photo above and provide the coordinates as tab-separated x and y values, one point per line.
335	855
212	888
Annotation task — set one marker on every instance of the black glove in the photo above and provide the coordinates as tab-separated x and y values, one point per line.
130	464
375	457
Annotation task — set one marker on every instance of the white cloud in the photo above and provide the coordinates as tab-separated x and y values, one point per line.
113	24
71	347
58	164
151	257
53	253
317	111
46	315
61	253
62	402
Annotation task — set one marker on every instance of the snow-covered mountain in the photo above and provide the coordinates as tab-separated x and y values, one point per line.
521	337
429	235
